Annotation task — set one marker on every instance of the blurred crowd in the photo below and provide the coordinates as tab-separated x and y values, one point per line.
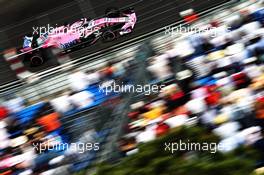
216	82
34	138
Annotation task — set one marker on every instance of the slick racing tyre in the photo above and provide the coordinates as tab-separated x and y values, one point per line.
108	35
36	60
112	12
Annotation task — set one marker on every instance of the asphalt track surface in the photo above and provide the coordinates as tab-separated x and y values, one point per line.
152	14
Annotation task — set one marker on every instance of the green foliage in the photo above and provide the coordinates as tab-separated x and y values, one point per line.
152	159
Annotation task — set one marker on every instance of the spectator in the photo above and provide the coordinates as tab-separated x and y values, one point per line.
78	80
4	136
3	112
108	71
82	99
15	104
62	103
93	77
50	122
162	128
159	67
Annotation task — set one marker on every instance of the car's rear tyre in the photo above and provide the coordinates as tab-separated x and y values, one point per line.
112	12
36	60
108	35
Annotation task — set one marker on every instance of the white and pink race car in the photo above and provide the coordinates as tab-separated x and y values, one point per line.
84	32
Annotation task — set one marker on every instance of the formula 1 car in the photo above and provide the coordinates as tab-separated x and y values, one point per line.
70	37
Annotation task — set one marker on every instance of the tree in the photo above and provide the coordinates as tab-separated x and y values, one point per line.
153	159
